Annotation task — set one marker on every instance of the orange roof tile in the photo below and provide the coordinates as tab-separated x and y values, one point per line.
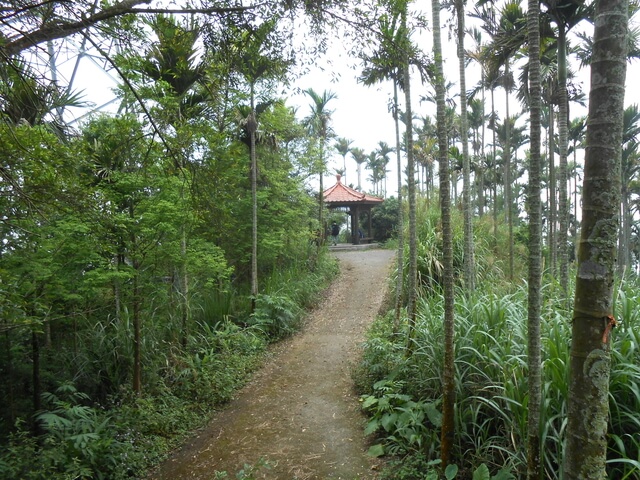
341	194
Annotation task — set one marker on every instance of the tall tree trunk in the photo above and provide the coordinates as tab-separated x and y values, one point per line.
137	330
563	134
590	367
400	256
535	238
553	205
321	195
184	284
137	319
576	222
627	220
253	127
35	371
469	264
9	376
495	171
411	191
448	388
481	165
508	208
117	284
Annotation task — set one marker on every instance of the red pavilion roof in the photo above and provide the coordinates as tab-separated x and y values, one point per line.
340	194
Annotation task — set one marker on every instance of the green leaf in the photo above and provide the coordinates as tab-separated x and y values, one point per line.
503	474
82	440
433	414
372	426
388	421
451	471
376	450
53	421
481	473
369	401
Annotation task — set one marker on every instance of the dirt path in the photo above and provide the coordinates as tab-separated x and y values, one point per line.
300	412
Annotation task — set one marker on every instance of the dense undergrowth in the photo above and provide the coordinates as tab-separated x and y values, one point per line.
77	437
402	394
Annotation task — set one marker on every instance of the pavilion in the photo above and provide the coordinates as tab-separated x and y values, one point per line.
341	197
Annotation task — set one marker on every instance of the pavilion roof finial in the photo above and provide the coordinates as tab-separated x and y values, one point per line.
338	177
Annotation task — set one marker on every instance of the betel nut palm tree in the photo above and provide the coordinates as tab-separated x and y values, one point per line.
360	157
448	401
565	14
630	166
535	245
343	147
592	323
255	62
468	261
383	154
386	64
319	124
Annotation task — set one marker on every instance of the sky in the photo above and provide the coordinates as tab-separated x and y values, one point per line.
360	113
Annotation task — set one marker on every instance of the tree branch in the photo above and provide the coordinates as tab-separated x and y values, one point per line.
60	29
196	10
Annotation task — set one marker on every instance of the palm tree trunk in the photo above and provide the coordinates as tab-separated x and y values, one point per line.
400	256
495	173
253	126
563	133
508	208
574	232
469	267
535	250
627	220
411	191
448	402
137	329
590	367
553	205
482	150
35	372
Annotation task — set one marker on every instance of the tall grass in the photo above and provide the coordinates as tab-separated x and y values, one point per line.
491	377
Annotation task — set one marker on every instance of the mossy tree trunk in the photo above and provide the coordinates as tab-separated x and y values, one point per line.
587	409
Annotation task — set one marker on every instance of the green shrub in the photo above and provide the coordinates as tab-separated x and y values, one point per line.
78	441
276	316
384	219
219	364
404	425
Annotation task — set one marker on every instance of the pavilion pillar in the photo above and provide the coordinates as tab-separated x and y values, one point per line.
355	222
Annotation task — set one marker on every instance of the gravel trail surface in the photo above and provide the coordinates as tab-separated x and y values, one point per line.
300	413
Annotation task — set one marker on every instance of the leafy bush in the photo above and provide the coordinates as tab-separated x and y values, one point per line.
217	366
78	442
384	219
401	421
277	316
